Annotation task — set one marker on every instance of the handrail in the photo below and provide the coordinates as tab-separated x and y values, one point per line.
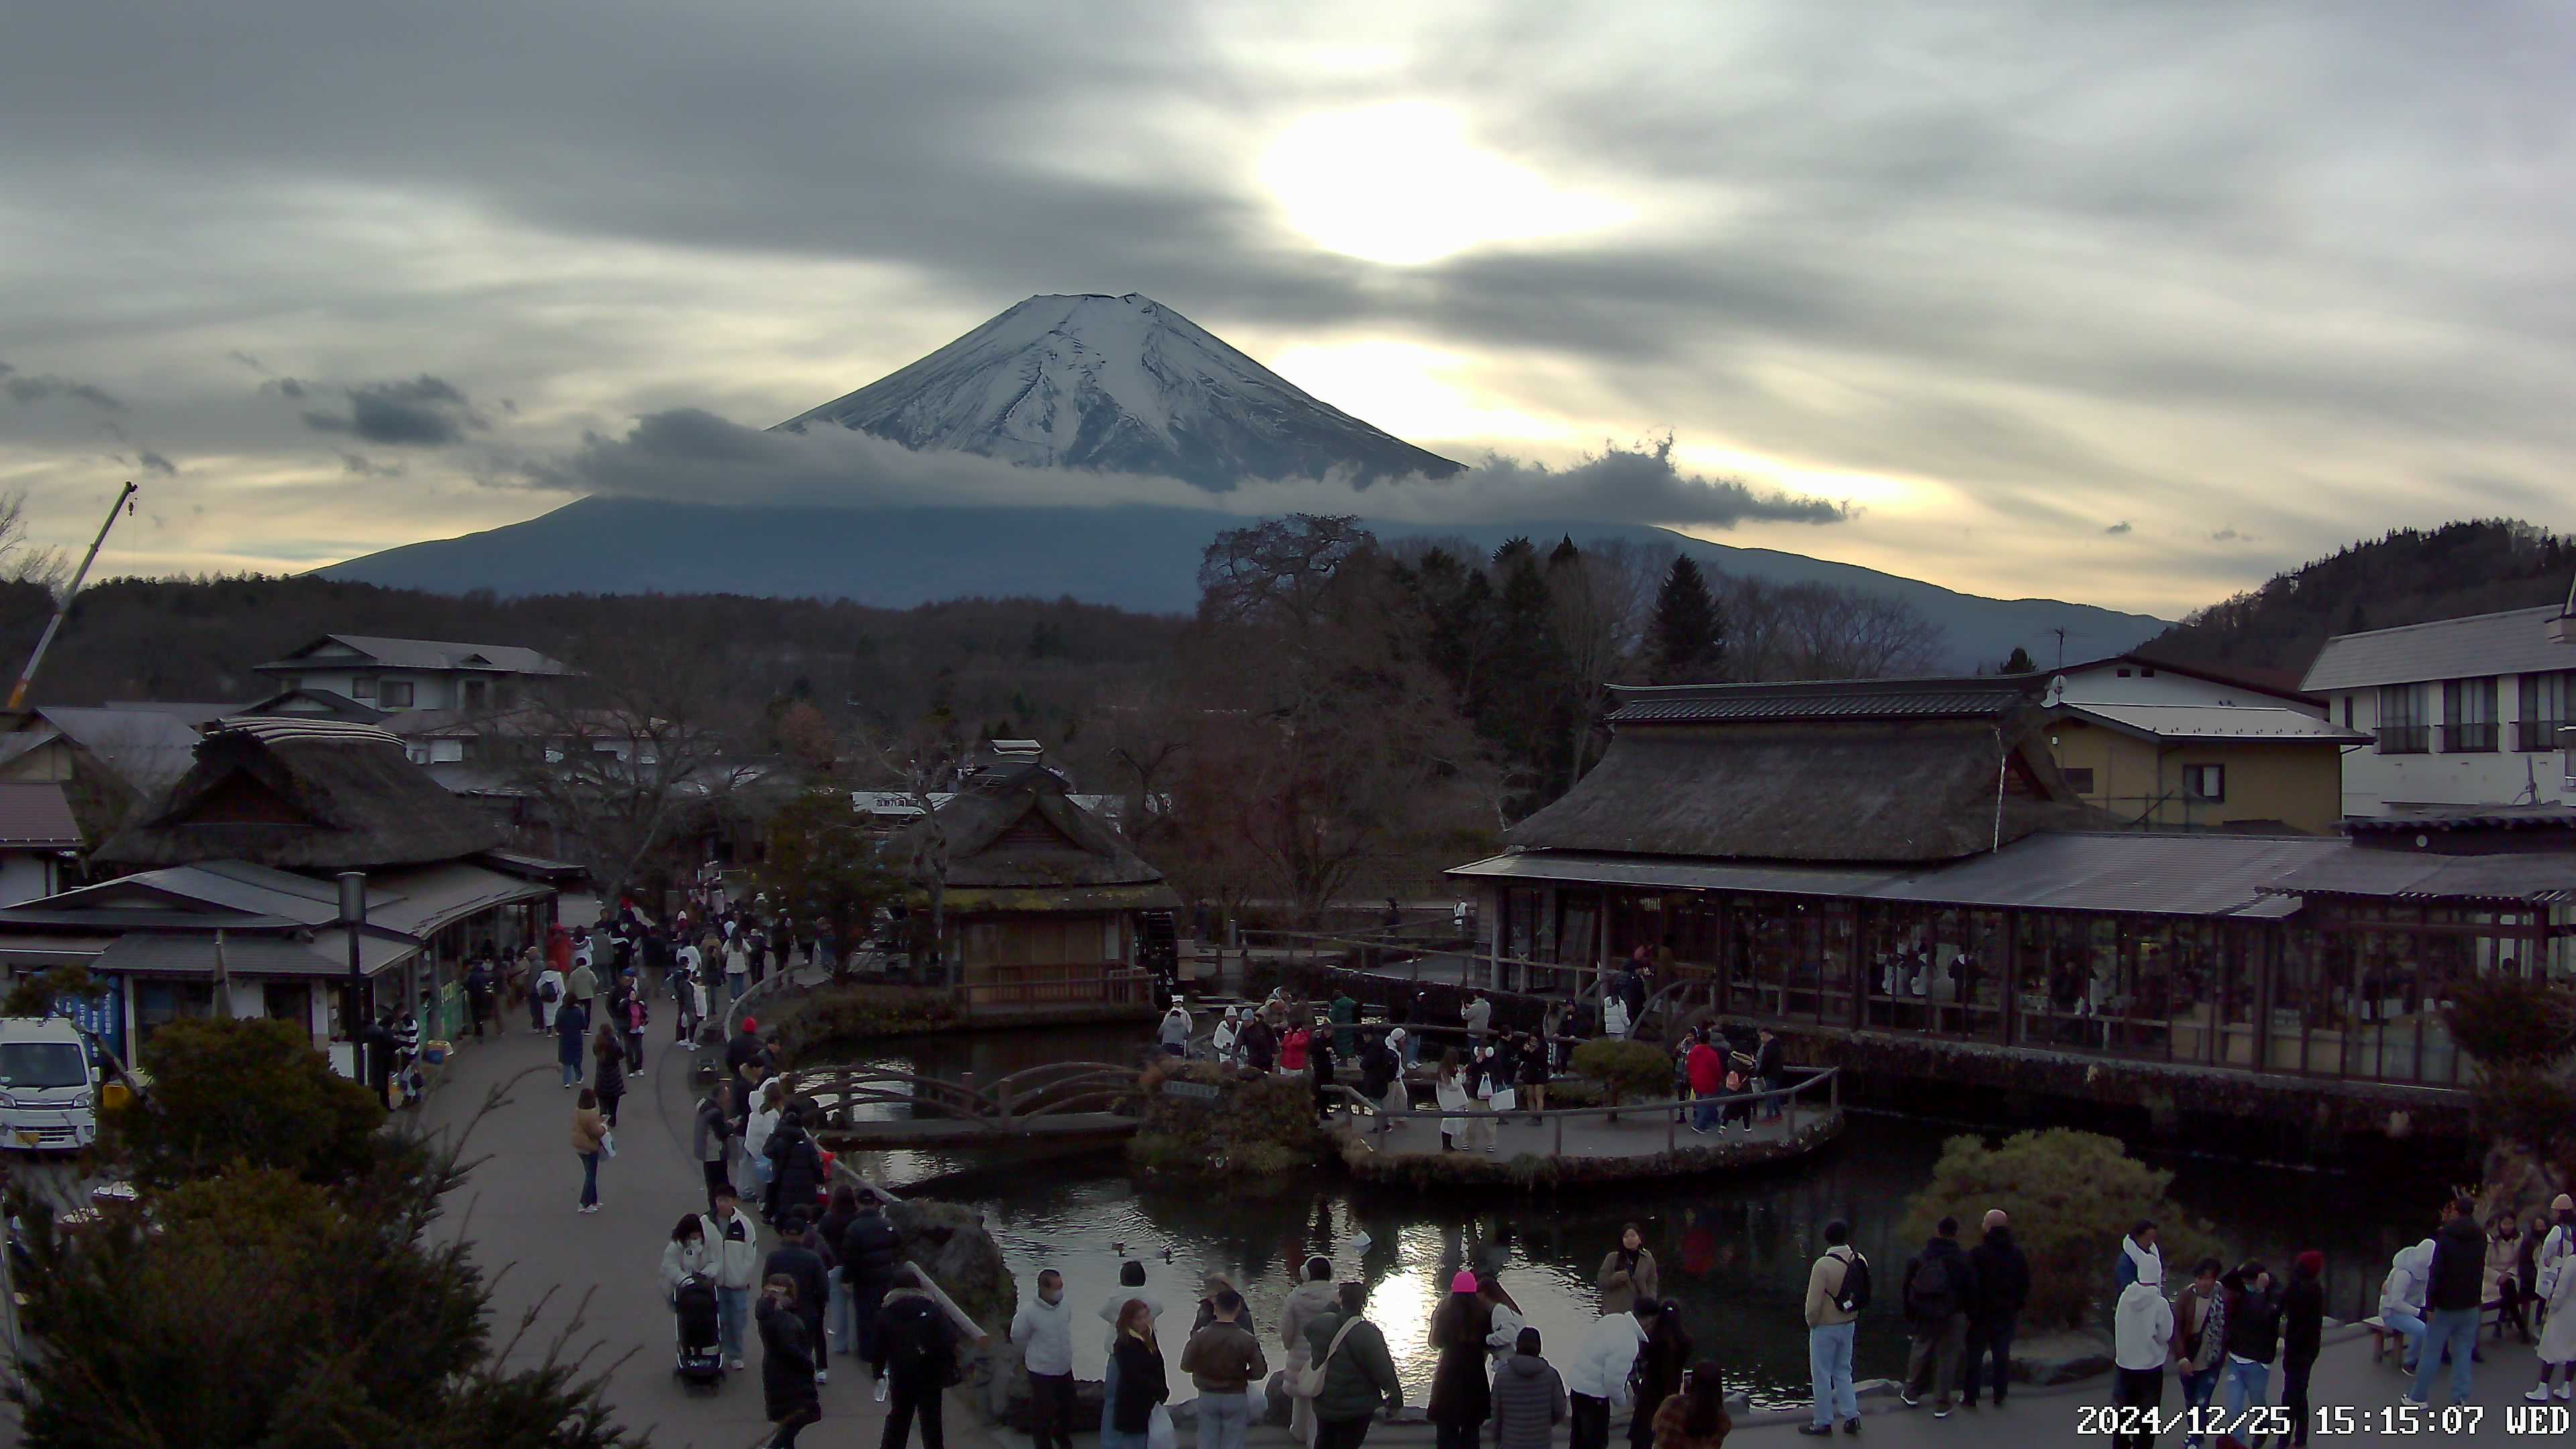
1829	1077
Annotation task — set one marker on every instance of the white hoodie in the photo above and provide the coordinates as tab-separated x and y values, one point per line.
2142	1326
2408	1274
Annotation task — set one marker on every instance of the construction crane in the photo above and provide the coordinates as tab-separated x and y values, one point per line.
18	693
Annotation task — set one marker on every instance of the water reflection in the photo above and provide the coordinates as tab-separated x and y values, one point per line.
1733	1251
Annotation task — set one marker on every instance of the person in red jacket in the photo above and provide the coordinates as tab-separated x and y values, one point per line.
1706	1066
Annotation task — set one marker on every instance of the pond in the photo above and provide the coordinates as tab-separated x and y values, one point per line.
1734	1251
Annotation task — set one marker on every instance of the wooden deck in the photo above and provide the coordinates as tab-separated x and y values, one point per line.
957	1132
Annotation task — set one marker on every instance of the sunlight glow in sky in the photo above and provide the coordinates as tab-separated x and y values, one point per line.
1402	185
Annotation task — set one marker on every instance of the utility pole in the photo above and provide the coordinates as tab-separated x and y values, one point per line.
353	1014
27	676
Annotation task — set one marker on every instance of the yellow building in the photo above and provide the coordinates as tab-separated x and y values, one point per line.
2204	766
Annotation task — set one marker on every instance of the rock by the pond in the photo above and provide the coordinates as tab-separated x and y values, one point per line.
952	1242
2061	1357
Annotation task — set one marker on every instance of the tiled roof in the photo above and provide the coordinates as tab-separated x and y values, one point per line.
1841	699
426	654
2514	642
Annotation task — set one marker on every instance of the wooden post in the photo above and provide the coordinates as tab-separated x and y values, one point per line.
1560	1136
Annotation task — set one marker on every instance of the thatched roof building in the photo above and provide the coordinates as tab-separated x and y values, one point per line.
304	796
1894	771
1016	833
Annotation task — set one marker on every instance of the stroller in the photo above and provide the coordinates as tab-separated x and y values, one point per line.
699	1364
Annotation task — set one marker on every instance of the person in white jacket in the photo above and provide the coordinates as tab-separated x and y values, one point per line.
756	1130
1228	1027
686	1256
2401	1296
2141	1343
1597	1378
1043	1329
1452	1094
735	1246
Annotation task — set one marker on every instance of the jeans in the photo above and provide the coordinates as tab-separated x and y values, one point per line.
2457	1330
2136	1389
2199	1386
2410	1328
733	1310
1347	1433
589	1178
838	1315
2249	1385
1703	1114
906	1397
1587	1423
1829	1364
1934	1362
1109	1403
634	1051
1773	1104
1988	1337
1223	1418
1051	1411
572	1072
866	1297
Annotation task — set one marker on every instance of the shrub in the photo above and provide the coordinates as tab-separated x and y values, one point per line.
2507	1021
251	1094
2072	1196
1258	1126
821	1021
1627	1071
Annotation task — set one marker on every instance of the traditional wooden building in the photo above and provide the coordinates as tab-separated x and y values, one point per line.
232	905
1899	872
1044	905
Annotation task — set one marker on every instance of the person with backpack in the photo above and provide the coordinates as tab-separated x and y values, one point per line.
1529	1397
1348	1353
1939	1285
2003	1286
920	1362
1837	1291
546	999
2200	1340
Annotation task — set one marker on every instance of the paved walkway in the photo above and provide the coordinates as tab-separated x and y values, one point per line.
517	1211
1635	1134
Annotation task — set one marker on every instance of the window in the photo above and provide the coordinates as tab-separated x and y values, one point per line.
2205	782
446	752
394	694
2080	781
362	686
2347	711
477	693
2468	715
2546	701
2124	674
2402	730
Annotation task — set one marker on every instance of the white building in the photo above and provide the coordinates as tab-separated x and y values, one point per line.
2460	711
393	675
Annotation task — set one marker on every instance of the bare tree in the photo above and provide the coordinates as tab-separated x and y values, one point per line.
1818	631
22	560
1598	598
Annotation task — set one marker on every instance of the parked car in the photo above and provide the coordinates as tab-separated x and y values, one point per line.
49	1085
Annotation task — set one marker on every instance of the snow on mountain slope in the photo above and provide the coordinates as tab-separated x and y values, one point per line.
1119	384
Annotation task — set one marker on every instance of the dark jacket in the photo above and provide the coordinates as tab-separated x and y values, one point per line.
786	1361
813	1285
1459	1394
610	1077
1260	1045
1224	1358
2303	1318
1768	1059
868	1250
1377	1070
742	1048
572	1028
1961	1292
2003	1277
1529	1402
1141	1385
1360	1377
2459	1268
796	1167
2253	1319
919	1344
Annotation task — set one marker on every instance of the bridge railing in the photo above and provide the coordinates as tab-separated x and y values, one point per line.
1825	1081
1043	1091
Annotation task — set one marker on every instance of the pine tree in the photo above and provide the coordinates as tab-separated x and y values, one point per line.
1686	639
2018	662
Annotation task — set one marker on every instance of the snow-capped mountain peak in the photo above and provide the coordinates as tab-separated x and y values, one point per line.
1119	384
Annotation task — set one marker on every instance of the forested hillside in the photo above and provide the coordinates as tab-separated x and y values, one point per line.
2407	577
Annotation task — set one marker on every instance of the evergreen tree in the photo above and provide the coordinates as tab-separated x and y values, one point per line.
1686	639
2018	662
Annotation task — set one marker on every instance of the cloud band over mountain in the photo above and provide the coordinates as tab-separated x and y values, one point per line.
692	456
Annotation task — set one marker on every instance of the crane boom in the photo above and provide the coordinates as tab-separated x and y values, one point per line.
27	676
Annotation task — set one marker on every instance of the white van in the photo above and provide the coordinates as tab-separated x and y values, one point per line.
48	1086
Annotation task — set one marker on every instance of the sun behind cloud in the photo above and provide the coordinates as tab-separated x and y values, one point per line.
1402	185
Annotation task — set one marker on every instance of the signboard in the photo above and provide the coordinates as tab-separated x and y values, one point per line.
1195	1091
102	1016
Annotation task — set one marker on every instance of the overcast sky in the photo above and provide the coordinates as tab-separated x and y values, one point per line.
2131	304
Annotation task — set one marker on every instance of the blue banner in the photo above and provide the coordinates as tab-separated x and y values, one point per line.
102	1016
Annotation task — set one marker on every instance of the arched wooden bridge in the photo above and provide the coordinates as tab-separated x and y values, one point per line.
1058	1101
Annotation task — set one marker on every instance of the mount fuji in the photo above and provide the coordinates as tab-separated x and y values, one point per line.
1121	385
1109	384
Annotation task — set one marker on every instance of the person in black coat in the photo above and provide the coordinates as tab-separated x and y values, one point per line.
920	1349
2003	1287
786	1363
2303	1325
795	1168
1320	1061
1141	1380
868	1249
797	1259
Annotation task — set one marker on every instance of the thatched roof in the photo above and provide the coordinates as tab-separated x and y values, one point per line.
305	797
1820	778
1015	829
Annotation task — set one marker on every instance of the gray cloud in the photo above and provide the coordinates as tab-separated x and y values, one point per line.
44	387
2119	529
2226	535
359	465
156	463
246	360
688	454
424	412
285	387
